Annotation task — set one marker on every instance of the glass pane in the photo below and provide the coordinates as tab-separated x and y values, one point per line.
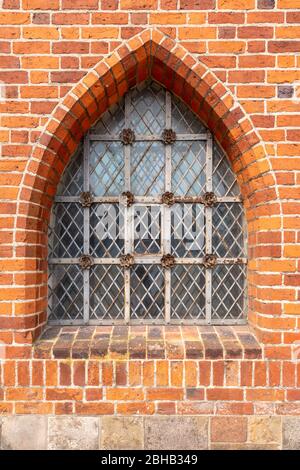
112	121
224	180
228	230
148	110
188	168
65	292
106	230
188	293
228	285
106	293
147	168
71	183
106	168
184	121
188	230
147	229
147	292
66	231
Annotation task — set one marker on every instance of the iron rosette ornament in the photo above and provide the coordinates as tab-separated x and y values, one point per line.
209	261
209	199
127	136
86	262
127	199
86	199
126	261
168	261
168	136
168	198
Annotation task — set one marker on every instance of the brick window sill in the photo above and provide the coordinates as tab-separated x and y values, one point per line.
151	342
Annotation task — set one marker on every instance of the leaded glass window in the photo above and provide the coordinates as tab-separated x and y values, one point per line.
148	222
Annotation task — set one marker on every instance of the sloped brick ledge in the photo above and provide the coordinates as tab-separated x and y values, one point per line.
148	342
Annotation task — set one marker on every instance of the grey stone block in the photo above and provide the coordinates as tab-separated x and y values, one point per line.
24	433
291	433
73	433
176	432
122	433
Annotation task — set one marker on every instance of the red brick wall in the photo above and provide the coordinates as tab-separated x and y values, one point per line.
236	64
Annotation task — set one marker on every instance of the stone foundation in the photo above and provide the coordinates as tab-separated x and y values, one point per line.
34	432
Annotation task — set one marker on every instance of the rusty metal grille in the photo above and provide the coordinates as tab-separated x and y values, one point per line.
148	223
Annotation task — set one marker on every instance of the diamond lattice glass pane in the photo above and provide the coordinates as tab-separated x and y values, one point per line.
147	292
224	180
188	168
147	229
187	230
184	121
65	293
147	168
148	110
188	293
228	286
106	293
71	183
228	230
106	168
66	231
112	122
106	230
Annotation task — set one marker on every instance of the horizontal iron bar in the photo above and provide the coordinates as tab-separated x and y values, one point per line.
149	200
147	260
147	138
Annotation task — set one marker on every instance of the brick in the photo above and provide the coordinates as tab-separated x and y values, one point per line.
64	394
39	32
255	32
236	4
266	4
197	4
197	33
285	91
164	394
286	4
138	4
167	18
282	47
80	4
124	394
40	5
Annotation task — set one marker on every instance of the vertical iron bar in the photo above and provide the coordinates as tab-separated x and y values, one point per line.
208	229
128	213
86	230
166	210
50	266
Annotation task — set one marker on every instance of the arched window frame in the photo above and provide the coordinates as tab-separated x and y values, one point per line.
208	200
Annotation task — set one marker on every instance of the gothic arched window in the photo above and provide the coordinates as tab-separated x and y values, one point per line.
148	223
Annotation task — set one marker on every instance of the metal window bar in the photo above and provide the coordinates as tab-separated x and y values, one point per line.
208	229
147	259
86	229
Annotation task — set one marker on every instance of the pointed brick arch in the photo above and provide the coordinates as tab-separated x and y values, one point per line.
149	54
